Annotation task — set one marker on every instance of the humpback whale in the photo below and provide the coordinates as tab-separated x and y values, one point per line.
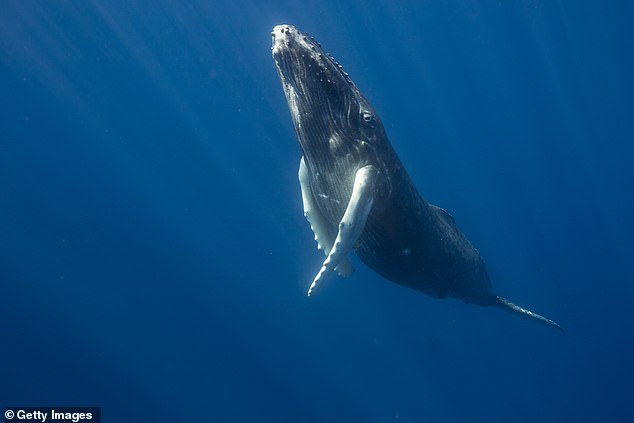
356	194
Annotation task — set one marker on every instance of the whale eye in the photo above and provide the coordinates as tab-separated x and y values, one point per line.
368	118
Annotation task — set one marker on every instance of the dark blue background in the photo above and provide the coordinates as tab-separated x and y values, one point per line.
153	254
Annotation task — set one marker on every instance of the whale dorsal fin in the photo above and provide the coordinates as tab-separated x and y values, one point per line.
352	223
324	235
444	213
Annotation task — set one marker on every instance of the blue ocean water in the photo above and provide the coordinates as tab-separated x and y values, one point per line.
154	258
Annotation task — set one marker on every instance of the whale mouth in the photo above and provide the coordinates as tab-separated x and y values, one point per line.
321	97
299	58
327	109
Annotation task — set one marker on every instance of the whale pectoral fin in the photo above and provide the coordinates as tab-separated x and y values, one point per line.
318	224
344	269
352	223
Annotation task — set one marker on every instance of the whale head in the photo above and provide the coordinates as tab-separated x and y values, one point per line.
330	115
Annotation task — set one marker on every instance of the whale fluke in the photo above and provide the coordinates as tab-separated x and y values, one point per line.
507	305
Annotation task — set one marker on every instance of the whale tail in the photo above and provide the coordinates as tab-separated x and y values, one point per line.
507	305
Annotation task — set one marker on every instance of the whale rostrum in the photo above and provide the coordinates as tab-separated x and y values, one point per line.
356	194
